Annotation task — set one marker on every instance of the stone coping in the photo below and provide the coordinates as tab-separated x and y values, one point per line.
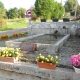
53	48
16	42
33	69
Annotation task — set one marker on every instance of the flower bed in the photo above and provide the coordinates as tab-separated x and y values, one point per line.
4	37
15	35
22	34
48	62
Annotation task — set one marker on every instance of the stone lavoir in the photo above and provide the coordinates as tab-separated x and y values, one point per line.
23	71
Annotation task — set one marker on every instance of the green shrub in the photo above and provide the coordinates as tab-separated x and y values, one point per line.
3	22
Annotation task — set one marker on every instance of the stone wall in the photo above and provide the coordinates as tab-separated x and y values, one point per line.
72	28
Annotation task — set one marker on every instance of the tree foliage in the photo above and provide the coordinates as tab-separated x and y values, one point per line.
33	11
69	5
78	10
16	13
2	15
48	9
44	8
21	12
58	10
12	13
2	10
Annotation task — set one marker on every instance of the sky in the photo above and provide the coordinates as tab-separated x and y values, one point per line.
22	3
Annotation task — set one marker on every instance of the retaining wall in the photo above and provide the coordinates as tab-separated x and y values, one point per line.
72	28
21	71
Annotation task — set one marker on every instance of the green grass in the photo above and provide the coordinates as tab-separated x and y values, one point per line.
14	24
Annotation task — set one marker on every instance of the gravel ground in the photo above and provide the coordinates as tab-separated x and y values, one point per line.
71	47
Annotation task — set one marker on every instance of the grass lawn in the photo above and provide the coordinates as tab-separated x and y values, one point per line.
14	24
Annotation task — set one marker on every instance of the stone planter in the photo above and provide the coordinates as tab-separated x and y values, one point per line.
46	65
43	20
55	20
8	59
66	20
77	70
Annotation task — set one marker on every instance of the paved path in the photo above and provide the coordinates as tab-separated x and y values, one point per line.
10	32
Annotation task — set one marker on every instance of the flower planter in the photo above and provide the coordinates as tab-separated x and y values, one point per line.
4	39
55	20
22	35
43	20
77	70
8	59
65	19
46	65
15	37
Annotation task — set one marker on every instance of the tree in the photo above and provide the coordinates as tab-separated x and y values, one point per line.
69	5
78	10
12	13
58	10
33	11
2	10
48	9
2	15
44	8
21	12
1	5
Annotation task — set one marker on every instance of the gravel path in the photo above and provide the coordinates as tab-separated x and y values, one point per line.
71	47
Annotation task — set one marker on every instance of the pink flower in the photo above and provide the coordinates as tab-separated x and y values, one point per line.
75	60
78	63
72	58
78	56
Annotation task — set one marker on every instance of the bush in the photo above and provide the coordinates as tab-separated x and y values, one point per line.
3	22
